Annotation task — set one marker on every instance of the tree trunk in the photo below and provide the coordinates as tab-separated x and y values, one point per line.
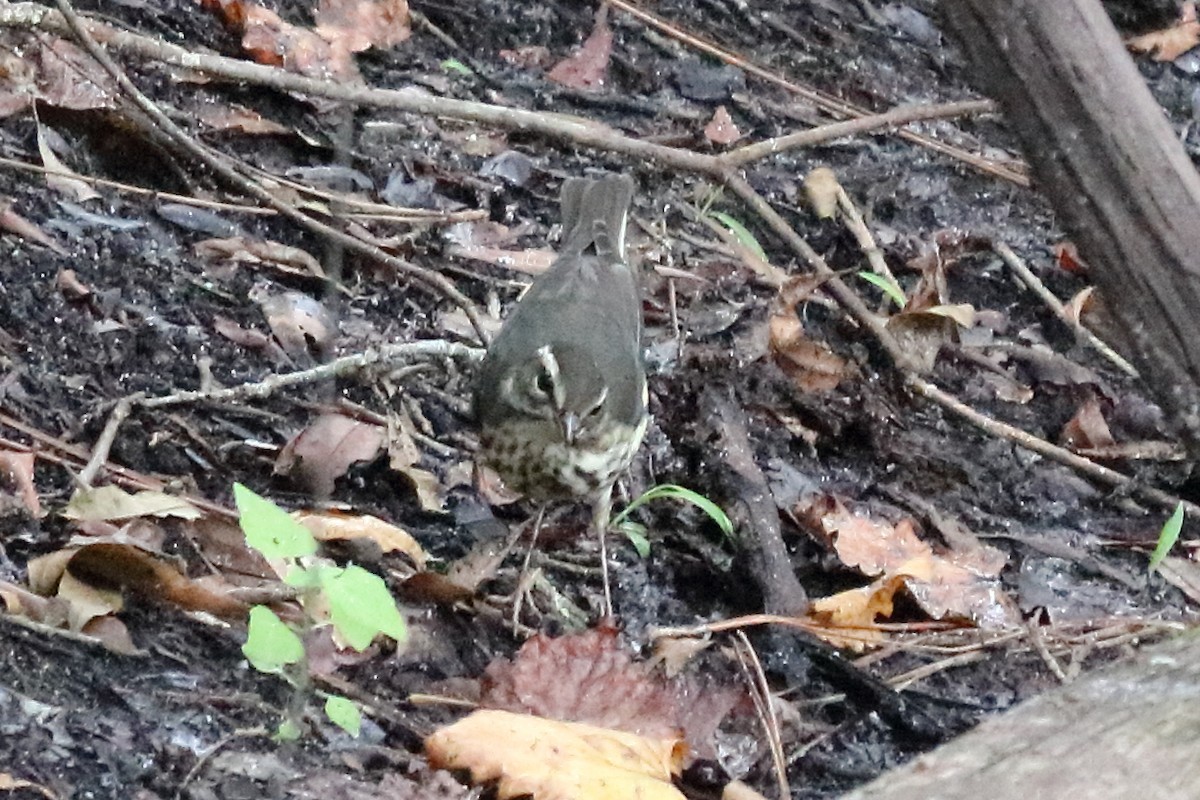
1115	172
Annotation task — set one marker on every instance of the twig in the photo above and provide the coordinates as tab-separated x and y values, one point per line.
820	99
1035	285
341	366
104	444
761	692
167	127
892	118
1003	430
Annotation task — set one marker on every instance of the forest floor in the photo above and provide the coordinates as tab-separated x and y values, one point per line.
954	571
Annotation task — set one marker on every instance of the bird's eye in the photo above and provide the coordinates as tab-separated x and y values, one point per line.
545	383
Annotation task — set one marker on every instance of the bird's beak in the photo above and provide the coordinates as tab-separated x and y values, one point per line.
570	427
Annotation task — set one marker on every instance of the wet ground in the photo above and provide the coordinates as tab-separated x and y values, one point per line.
121	293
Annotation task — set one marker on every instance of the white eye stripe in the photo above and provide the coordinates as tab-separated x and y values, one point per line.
550	364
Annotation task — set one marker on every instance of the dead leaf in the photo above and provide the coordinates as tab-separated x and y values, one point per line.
721	128
114	503
17	469
583	677
1068	258
17	225
1079	305
58	176
300	323
548	759
821	187
1170	43
268	39
331	526
812	365
588	67
952	584
1087	429
403	456
361	24
321	453
242	249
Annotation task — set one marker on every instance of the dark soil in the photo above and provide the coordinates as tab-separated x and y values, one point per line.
86	723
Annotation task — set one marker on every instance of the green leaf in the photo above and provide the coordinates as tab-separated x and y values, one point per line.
270	643
288	731
741	233
269	529
636	534
1167	537
888	285
343	713
454	65
361	607
679	493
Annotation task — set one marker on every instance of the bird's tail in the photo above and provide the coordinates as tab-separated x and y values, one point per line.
594	213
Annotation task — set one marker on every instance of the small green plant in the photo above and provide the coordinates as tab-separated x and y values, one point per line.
1167	537
454	65
740	232
888	285
358	604
636	532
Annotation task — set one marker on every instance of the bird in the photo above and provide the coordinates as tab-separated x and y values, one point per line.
560	397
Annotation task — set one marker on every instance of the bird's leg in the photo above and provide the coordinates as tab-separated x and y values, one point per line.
517	601
601	513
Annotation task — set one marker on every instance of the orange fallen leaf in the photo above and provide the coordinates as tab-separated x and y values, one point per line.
551	760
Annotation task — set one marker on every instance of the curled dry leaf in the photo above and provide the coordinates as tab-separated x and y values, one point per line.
268	39
287	259
821	187
300	323
1087	429
323	451
331	525
552	760
810	364
403	455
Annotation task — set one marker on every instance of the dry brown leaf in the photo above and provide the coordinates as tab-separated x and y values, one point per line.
848	619
810	364
1170	43
17	225
721	128
952	584
322	452
285	258
588	67
109	564
16	467
241	120
106	503
332	525
583	677
551	760
1068	258
821	187
268	39
361	24
1087	429
302	324
59	176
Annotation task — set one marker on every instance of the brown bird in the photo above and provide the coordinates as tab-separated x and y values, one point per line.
561	395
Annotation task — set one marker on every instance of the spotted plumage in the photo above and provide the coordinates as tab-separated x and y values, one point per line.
561	396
